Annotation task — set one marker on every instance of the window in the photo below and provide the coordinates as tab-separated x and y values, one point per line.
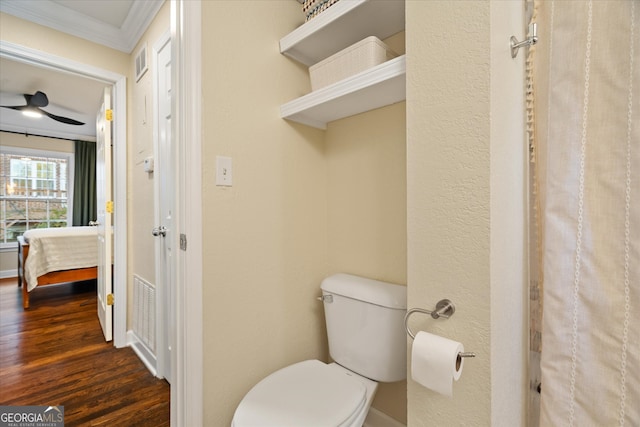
35	191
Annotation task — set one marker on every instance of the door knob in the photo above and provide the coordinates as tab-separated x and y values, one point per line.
159	231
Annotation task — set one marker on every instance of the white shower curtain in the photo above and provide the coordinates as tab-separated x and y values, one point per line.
587	151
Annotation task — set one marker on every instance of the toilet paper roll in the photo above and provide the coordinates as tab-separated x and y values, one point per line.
435	363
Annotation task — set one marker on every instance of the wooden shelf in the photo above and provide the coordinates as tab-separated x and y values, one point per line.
340	26
373	88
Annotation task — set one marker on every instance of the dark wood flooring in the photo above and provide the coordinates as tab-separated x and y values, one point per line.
54	353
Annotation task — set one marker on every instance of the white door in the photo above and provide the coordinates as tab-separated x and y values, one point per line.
105	210
164	230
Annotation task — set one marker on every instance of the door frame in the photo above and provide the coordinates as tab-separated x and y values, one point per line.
42	59
186	74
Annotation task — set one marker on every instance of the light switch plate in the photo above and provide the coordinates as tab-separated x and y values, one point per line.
223	171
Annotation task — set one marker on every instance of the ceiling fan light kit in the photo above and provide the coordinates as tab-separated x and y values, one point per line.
31	112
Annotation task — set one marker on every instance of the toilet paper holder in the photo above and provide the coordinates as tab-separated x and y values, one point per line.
444	309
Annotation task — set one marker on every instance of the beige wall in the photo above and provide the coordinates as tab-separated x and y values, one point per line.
140	184
8	139
266	237
270	237
460	183
8	260
448	195
274	235
367	209
25	33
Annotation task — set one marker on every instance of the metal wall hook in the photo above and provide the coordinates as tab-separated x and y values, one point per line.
529	41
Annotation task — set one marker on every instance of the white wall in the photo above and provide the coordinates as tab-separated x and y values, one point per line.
509	220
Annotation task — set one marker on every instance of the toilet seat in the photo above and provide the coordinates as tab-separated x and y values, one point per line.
309	393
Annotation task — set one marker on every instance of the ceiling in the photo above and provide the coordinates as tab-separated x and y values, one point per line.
69	96
117	24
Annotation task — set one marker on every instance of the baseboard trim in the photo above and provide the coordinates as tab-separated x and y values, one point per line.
7	274
143	353
376	418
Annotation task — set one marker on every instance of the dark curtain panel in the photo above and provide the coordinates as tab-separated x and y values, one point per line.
84	183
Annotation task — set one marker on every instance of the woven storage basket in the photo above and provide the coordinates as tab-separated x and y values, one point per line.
313	8
365	54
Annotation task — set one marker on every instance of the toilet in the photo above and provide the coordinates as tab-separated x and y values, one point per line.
367	342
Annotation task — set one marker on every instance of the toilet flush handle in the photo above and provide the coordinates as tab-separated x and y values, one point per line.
325	298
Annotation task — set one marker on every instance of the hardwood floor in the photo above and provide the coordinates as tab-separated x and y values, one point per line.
54	354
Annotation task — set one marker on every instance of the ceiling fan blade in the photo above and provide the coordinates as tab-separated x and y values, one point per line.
14	107
38	99
61	119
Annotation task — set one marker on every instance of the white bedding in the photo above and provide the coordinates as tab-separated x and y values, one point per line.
54	249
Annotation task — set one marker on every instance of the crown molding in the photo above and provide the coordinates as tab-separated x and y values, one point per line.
52	15
140	17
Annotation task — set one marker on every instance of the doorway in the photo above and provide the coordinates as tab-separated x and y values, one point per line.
37	58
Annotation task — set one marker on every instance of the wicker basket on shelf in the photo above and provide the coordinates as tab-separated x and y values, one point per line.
313	8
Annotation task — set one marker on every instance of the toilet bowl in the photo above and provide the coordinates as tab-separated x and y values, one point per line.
367	341
309	393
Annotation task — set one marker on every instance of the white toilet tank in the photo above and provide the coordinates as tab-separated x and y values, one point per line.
365	326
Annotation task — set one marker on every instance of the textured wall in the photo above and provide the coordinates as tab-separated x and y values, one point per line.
466	203
448	195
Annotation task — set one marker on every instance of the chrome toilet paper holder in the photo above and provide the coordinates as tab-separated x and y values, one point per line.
444	309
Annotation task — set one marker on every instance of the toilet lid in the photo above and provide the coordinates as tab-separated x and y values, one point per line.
308	393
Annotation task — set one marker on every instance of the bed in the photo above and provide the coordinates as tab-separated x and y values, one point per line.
50	256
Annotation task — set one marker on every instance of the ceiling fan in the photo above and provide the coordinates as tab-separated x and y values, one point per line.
34	106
